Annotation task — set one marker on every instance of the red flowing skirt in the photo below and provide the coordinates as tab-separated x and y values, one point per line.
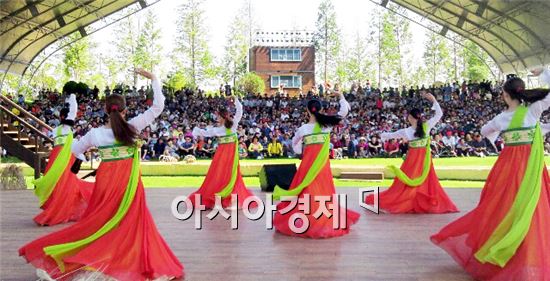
322	185
217	177
429	197
466	235
133	250
69	198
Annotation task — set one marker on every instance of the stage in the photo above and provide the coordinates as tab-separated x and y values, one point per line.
379	247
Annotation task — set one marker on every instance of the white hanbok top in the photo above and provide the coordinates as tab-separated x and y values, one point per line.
65	129
103	136
408	133
502	121
307	129
219	131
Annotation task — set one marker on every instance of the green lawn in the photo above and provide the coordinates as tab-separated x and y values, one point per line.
455	161
195	182
253	182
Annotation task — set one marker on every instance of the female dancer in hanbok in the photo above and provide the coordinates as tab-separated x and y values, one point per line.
506	236
224	174
63	196
313	181
117	235
416	188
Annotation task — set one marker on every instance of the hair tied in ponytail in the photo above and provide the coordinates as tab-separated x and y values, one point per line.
313	109
520	89
114	107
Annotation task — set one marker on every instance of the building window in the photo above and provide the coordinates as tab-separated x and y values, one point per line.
287	81
293	54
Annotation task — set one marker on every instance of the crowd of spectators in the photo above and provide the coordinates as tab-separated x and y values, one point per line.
269	121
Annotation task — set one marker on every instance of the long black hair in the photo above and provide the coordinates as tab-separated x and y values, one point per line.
125	133
417	114
224	113
515	87
314	107
63	114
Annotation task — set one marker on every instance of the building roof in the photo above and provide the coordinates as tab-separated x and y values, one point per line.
29	27
514	33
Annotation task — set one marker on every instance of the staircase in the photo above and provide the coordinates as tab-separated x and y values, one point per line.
22	135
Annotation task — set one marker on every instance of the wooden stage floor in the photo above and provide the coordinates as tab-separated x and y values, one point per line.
379	247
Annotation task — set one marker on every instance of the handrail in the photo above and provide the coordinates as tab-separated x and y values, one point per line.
22	110
27	125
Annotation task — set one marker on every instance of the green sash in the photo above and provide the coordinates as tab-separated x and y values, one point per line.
319	162
511	231
45	185
226	191
58	252
425	166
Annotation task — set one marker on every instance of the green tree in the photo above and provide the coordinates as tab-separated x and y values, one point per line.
126	46
77	57
403	36
148	49
475	58
251	83
176	81
327	40
390	56
192	42
358	67
235	59
437	58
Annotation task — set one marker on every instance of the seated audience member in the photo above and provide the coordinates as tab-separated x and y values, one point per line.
274	149
255	149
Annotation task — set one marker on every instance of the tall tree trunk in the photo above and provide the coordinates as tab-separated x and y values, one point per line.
379	52
326	49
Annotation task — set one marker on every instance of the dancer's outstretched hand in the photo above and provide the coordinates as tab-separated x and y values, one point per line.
428	96
537	71
144	73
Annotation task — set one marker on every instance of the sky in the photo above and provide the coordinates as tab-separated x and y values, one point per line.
352	17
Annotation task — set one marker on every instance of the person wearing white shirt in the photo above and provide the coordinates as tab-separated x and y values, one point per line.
314	177
223	178
505	236
63	196
117	210
416	188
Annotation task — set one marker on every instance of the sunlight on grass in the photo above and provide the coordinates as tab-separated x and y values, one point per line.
254	182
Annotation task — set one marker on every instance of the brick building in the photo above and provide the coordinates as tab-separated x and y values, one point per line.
290	64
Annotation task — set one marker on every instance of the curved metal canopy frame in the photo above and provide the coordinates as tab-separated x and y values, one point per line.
513	33
28	28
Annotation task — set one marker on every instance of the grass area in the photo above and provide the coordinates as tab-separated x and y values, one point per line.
195	182
454	161
254	182
10	159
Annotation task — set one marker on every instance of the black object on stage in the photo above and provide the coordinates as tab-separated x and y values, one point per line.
276	174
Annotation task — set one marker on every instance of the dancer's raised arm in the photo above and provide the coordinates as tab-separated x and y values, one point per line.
540	106
435	106
238	113
73	107
344	106
143	120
